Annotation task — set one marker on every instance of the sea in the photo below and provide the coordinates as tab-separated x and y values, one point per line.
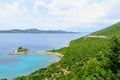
12	66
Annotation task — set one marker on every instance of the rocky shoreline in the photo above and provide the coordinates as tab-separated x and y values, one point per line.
15	52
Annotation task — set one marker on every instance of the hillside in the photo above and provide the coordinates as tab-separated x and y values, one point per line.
109	31
89	58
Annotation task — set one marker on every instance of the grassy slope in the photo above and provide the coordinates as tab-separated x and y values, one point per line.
110	31
82	60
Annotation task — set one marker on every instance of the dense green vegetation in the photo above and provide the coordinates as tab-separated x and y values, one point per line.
21	49
85	59
3	79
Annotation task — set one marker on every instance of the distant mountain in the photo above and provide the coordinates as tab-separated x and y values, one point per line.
33	31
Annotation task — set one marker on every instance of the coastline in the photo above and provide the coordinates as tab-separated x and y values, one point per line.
54	53
43	52
58	55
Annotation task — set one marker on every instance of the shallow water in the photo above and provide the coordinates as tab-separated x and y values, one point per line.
18	65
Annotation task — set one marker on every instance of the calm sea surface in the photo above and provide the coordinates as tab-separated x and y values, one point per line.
18	65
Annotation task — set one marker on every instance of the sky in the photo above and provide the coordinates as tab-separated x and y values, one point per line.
68	15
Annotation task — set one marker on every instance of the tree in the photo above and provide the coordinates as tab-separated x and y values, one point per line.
21	49
114	55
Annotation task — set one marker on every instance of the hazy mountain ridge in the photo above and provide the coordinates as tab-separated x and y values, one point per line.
33	31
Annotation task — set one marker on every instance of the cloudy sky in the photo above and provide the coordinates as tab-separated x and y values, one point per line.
69	15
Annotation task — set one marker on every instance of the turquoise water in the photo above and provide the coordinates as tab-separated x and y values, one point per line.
18	65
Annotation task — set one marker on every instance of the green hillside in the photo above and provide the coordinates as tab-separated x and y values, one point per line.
86	58
110	31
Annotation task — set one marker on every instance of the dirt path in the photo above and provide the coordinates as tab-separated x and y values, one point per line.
94	36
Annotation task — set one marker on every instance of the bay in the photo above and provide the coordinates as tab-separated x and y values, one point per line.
19	65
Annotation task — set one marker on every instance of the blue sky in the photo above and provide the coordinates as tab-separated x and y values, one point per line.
69	15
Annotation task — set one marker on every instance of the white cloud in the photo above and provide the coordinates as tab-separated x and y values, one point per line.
57	6
35	10
60	14
78	11
9	9
37	3
113	13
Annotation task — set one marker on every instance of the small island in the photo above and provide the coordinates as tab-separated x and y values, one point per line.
19	50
